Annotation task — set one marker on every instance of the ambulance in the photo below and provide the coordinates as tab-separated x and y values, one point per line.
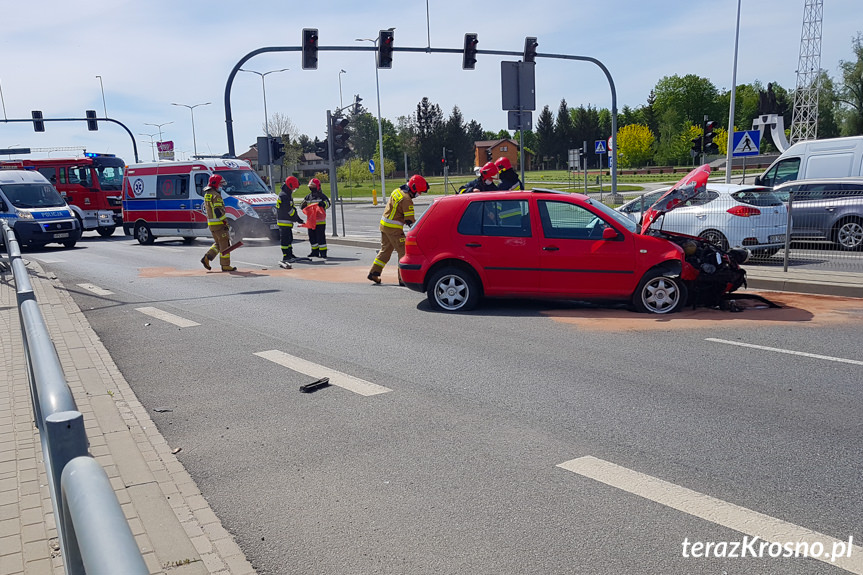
35	210
166	199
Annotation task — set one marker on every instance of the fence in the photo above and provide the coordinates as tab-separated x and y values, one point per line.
95	537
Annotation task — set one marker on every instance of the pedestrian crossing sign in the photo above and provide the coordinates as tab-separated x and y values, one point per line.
599	147
746	143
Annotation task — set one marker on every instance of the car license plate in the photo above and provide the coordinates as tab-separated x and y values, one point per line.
58	236
777	238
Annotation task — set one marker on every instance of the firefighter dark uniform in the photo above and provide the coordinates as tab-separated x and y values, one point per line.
217	222
317	236
508	178
286	216
399	212
485	181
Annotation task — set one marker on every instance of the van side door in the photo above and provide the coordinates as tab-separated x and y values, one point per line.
172	200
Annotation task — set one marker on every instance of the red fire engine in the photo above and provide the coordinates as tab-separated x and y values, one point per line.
92	186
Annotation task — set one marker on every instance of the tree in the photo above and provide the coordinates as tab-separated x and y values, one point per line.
851	90
430	135
406	135
674	140
545	135
692	96
634	145
827	106
280	125
458	140
563	133
365	135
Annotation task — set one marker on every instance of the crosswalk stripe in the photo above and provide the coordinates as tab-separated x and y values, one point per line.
343	380
168	317
95	289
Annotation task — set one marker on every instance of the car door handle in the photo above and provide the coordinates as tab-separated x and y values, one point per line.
551	248
182	206
473	245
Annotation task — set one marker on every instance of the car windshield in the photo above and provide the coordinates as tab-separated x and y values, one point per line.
33	195
110	178
614	215
757	197
242	183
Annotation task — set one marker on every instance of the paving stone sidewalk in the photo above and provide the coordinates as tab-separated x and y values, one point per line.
173	524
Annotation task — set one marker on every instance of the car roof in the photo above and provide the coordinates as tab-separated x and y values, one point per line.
21	177
853	180
511	194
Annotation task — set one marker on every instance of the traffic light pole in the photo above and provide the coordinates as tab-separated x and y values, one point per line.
334	183
134	145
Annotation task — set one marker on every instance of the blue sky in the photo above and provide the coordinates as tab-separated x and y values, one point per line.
152	53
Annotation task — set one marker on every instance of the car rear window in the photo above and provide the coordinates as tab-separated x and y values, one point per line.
502	218
757	197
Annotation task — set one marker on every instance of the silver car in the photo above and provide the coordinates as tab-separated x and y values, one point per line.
826	210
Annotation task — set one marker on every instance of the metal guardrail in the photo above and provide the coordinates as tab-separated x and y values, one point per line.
95	537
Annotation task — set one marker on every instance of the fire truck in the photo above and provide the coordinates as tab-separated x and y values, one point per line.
92	186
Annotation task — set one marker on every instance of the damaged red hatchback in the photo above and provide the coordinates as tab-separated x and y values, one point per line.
548	244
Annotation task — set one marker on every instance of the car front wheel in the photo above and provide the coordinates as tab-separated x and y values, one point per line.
143	234
849	235
453	289
658	293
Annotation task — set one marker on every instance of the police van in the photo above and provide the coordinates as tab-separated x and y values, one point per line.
35	210
165	199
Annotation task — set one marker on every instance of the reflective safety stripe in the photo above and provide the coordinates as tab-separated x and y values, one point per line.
378	262
510	213
392	223
285	223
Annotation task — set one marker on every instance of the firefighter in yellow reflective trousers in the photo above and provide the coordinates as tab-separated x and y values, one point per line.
399	212
217	222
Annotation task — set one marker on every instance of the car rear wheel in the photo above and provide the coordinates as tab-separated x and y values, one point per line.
658	293
849	234
143	234
106	232
716	238
453	289
188	240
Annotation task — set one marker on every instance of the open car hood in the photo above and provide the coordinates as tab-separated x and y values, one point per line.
687	188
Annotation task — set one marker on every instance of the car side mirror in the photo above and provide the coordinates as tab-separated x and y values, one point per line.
758	181
3	207
609	234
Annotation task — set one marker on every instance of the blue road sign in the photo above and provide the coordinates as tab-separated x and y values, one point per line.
599	146
372	166
746	143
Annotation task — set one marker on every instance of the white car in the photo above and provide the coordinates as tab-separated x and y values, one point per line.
728	215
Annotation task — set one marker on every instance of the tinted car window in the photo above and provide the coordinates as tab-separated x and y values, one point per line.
507	218
703	197
853	189
757	197
173	187
641	204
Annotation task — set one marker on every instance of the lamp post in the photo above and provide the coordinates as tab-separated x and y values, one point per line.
341	104
152	149
729	152
104	106
192	111
159	127
380	123
266	118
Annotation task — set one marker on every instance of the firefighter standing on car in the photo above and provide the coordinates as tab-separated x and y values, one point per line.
508	178
317	236
485	181
286	215
399	213
217	222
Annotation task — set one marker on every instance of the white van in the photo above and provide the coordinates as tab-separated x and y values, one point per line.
35	210
831	158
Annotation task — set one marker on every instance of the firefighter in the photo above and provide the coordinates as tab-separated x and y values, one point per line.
317	235
286	215
485	181
508	178
217	222
399	213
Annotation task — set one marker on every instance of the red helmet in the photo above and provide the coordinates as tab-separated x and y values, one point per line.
315	183
215	181
292	182
418	184
488	171
502	163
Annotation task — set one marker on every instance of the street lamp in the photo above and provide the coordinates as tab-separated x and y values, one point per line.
152	145
159	127
341	104
266	118
192	111
380	123
103	96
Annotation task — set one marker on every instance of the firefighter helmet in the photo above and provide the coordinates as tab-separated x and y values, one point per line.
215	181
503	163
315	184
292	183
418	184
488	171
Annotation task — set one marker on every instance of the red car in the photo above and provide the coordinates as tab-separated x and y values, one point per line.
548	244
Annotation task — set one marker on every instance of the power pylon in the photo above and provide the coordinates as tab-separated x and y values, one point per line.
804	119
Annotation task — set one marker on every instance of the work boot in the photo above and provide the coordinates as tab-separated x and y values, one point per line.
375	277
229	269
322	254
206	262
314	254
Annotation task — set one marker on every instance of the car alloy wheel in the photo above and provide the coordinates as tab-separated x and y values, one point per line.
849	235
453	289
716	238
658	293
143	234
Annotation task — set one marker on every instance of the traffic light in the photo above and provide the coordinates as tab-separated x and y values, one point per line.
357	107
310	48
530	45
38	124
696	146
709	133
385	49
322	151
263	151
340	138
488	154
277	149
469	58
92	124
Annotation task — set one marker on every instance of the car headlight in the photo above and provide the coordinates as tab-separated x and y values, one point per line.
246	209
23	214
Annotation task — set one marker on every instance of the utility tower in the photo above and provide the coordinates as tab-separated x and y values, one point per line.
804	119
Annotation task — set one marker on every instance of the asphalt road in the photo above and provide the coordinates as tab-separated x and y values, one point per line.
455	465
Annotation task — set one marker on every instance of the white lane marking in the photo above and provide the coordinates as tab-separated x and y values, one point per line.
788	351
315	370
95	289
49	260
711	509
168	317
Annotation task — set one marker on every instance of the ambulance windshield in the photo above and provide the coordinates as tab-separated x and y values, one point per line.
33	196
242	183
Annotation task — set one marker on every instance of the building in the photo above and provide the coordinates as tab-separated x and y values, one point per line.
490	150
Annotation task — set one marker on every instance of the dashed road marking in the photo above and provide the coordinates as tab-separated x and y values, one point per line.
349	382
95	289
168	317
746	521
788	351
